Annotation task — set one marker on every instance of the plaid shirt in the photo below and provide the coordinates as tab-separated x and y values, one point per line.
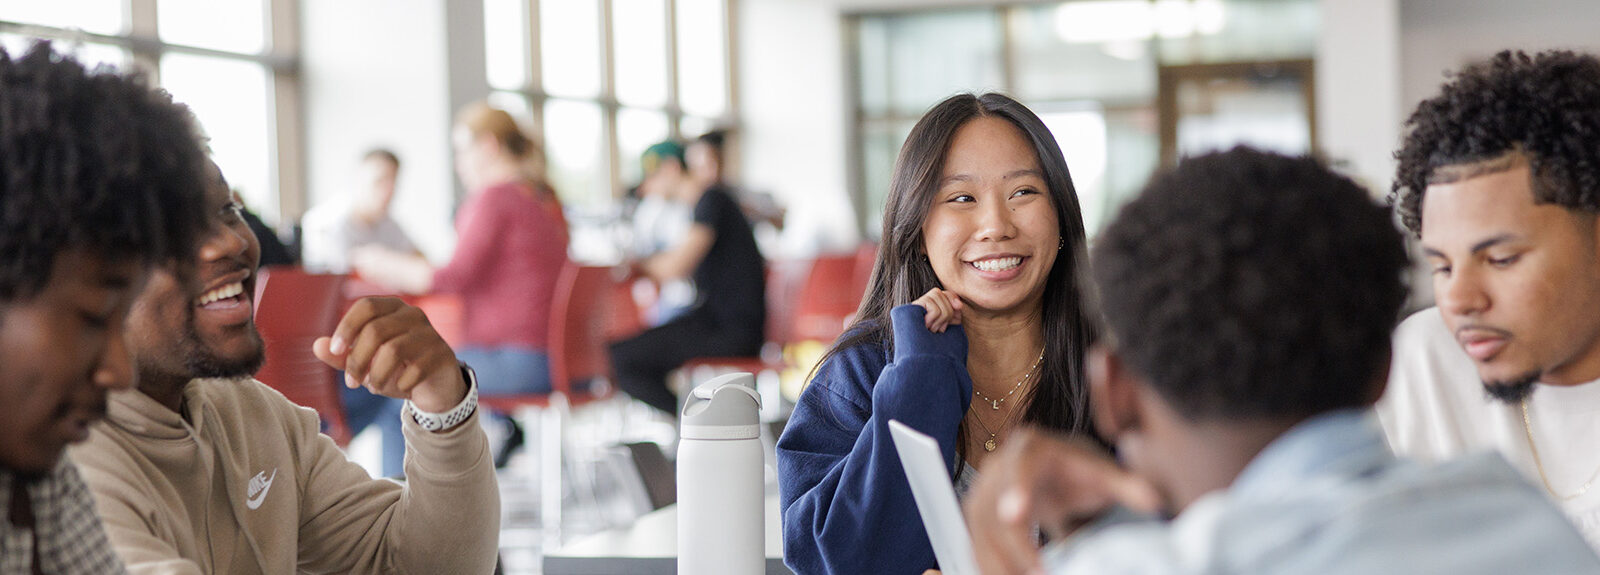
71	539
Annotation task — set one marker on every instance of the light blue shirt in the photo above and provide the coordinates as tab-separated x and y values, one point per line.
1329	497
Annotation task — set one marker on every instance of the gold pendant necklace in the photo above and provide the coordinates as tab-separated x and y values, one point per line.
1527	428
993	441
995	403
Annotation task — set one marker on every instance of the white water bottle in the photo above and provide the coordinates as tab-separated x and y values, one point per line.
721	505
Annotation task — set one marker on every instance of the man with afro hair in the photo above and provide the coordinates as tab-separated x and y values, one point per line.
1248	300
100	181
1499	179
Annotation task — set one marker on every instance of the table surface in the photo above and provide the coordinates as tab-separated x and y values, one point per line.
649	546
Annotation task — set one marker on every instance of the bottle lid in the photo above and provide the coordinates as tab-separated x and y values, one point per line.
727	401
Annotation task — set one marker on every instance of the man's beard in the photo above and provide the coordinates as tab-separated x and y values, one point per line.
202	363
1512	391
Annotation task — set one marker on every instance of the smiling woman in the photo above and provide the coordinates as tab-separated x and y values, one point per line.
973	296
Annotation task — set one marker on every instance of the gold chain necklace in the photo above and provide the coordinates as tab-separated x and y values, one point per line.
992	442
1527	428
995	403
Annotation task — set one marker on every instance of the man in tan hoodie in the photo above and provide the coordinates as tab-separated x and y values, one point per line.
202	469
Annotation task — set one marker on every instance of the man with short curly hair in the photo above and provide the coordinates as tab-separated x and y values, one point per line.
99	182
1248	300
1499	177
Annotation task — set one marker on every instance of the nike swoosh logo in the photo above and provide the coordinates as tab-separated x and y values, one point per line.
259	485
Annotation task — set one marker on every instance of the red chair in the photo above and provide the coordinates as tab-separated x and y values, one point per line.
806	300
588	306
830	298
293	309
785	280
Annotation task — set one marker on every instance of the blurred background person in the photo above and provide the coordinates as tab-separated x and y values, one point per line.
660	221
719	253
513	242
329	233
335	227
706	158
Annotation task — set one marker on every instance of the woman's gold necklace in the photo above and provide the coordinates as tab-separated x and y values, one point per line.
994	441
995	403
1527	428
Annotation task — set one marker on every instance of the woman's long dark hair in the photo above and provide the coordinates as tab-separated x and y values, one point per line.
1060	399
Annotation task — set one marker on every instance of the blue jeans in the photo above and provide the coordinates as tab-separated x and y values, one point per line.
508	370
363	408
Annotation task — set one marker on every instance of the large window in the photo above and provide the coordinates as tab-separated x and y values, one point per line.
1093	70
604	79
219	58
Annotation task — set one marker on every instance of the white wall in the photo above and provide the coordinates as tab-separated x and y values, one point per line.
1358	84
792	106
1442	35
376	74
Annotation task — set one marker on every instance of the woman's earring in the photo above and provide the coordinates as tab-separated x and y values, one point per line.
1062	243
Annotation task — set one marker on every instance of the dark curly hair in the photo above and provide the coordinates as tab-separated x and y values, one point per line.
1546	106
1247	284
95	161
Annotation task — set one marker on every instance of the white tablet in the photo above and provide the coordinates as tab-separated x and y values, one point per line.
936	499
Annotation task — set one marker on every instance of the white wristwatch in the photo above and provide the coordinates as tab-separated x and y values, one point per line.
457	414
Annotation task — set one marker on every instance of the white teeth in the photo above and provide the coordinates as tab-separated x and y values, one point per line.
223	292
997	264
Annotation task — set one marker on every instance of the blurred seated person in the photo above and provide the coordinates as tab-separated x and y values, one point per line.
1249	299
512	245
330	232
719	254
659	223
332	229
705	157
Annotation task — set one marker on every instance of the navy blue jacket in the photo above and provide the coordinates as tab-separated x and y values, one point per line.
846	505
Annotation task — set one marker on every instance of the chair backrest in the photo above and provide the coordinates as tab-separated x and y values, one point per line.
785	282
866	258
581	316
293	309
829	297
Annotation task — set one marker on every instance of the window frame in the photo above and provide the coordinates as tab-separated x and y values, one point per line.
280	58
534	94
1166	72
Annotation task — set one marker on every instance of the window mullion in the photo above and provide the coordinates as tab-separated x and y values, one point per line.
142	25
608	98
674	110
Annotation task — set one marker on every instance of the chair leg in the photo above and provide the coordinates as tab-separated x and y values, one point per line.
550	429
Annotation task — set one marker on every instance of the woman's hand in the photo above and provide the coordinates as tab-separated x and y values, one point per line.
944	309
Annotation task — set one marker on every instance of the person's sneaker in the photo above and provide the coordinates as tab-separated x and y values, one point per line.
514	440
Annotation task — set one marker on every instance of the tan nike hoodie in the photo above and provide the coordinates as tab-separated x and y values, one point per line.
245	483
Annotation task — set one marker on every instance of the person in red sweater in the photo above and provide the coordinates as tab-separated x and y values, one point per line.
513	242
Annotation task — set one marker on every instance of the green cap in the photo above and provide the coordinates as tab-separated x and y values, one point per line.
651	159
